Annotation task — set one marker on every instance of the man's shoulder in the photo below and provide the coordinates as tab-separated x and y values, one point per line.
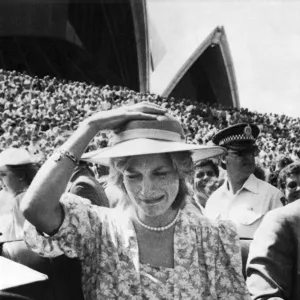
292	209
267	187
220	190
290	212
216	194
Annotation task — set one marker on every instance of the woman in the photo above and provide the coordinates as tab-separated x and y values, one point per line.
16	173
153	246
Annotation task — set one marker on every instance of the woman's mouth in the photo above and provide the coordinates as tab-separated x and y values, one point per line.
153	201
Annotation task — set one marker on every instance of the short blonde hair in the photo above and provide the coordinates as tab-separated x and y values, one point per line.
182	163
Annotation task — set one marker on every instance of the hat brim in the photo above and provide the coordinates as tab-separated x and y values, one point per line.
241	146
14	157
150	146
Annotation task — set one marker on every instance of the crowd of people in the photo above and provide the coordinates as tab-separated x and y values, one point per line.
152	158
39	113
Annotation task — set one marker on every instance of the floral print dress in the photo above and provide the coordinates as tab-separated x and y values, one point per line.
207	259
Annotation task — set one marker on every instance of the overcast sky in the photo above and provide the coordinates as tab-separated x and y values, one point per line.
264	39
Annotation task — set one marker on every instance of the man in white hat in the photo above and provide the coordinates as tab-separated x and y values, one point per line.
243	198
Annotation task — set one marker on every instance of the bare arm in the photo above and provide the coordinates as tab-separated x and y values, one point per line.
40	205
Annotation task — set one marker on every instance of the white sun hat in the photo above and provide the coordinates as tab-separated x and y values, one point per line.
14	157
140	137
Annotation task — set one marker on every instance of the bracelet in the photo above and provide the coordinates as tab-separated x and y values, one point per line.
60	153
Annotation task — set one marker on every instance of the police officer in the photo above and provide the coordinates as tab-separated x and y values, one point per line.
243	198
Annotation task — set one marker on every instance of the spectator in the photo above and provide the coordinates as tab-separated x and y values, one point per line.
84	184
289	181
17	170
206	174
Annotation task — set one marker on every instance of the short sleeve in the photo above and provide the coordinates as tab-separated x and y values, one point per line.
229	277
75	237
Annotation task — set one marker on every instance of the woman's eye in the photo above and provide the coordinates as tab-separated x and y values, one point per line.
132	176
161	173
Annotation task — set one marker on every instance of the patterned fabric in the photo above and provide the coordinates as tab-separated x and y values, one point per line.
157	282
207	259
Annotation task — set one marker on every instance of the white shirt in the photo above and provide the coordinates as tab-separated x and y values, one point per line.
15	223
198	205
6	203
247	207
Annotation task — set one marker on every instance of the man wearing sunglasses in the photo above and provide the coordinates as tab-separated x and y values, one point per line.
243	198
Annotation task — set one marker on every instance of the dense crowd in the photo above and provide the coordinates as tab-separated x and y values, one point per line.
39	113
153	189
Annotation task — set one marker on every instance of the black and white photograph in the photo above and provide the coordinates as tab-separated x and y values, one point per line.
149	149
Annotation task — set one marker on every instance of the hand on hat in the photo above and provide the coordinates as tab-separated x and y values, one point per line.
112	119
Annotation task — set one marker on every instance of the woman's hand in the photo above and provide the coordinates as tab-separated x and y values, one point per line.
112	119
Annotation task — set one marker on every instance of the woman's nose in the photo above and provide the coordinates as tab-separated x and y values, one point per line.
147	186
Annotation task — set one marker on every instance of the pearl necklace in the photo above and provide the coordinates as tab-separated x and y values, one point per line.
158	228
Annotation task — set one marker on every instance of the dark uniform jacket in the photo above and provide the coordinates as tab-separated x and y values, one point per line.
273	267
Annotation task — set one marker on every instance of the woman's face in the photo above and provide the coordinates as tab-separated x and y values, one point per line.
10	182
151	183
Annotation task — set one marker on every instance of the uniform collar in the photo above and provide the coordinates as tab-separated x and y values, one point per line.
250	184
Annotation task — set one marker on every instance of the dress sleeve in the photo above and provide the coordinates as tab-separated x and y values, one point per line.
229	279
81	222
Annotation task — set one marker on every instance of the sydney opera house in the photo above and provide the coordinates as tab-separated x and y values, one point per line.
113	42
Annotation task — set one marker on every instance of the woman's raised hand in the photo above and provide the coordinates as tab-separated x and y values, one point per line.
111	119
